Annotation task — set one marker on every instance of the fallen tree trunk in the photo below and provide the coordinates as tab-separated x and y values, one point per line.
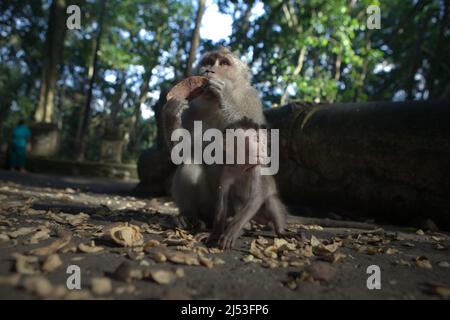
387	159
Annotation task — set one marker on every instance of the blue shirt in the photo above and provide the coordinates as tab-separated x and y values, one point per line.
20	135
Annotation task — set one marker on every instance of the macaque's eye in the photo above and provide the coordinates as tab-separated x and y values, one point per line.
208	62
224	62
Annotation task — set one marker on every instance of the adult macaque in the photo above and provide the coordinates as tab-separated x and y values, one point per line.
201	190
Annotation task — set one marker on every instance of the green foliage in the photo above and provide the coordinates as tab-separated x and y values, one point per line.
308	50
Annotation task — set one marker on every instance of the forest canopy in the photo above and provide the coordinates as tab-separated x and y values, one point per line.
104	77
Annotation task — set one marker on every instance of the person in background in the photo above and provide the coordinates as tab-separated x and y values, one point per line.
20	139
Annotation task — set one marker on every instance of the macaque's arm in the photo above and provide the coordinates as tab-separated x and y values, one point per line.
239	103
171	117
241	218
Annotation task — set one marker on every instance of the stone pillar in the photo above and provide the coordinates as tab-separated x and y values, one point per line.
111	150
45	138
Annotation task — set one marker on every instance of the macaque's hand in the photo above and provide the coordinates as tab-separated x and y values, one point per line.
216	87
228	239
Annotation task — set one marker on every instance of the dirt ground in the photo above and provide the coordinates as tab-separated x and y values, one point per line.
62	216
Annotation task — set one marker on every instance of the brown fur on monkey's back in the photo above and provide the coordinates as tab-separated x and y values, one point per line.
189	88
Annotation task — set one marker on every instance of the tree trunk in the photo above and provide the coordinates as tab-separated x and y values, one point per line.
195	37
82	135
436	60
387	159
134	134
53	48
363	75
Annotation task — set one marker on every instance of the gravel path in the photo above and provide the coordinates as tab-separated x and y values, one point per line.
48	223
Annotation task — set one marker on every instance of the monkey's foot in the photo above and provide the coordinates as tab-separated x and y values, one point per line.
228	239
202	236
182	222
206	237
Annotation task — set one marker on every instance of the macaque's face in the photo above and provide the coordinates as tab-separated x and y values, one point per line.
220	66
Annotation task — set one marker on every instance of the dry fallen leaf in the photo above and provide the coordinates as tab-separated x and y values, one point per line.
218	261
306	251
321	271
128	289
52	263
310	227
438	289
402	263
70	247
40	235
92	248
151	244
443	292
135	255
180	272
72	219
297	263
325	249
125	235
292	283
158	256
21	232
126	272
77	259
64	239
214	250
204	261
11	280
176	294
255	250
77	295
101	286
391	251
314	241
26	264
182	258
423	262
333	258
162	276
4	237
420	232
38	286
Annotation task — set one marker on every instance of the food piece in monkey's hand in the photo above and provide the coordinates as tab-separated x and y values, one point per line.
188	89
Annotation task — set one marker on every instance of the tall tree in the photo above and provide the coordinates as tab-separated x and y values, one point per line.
52	57
195	36
93	68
